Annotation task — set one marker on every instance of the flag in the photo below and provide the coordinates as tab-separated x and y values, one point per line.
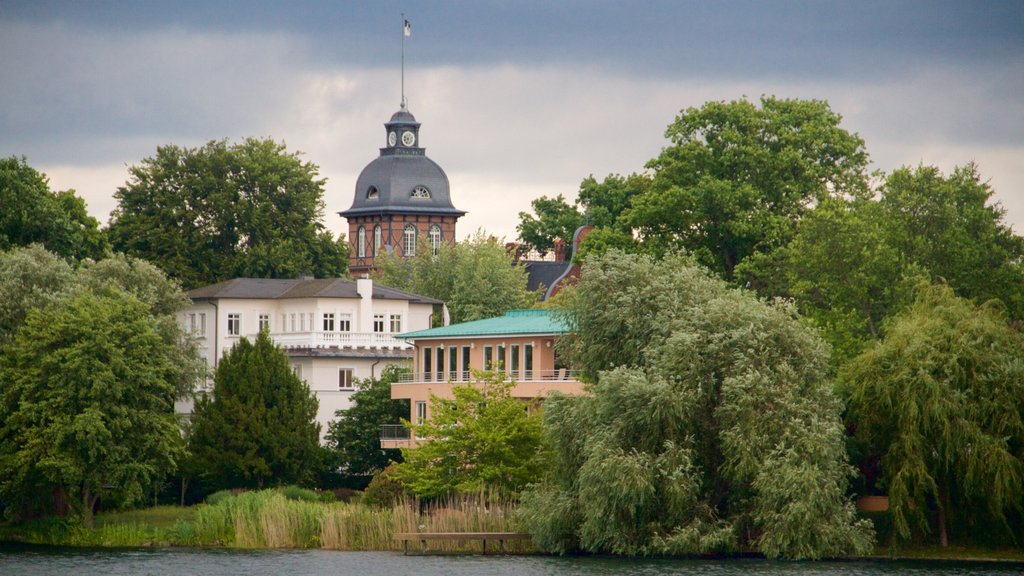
407	30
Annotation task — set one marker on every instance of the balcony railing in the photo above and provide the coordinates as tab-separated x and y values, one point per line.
394	432
338	340
466	376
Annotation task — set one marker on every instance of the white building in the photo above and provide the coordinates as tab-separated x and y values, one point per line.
333	330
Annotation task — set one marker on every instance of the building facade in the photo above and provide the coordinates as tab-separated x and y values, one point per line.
333	330
402	200
521	344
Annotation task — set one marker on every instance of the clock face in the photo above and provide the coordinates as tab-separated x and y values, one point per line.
392	138
408	138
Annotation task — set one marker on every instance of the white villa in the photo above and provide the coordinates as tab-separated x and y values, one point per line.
333	330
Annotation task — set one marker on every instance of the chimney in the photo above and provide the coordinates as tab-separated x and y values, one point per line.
560	255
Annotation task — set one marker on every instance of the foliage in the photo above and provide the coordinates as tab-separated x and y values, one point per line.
34	214
384	491
710	426
738	177
941	400
481	438
473	277
30	277
556	219
354	438
259	425
221	211
88	387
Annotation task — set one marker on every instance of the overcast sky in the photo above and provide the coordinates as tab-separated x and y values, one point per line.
517	99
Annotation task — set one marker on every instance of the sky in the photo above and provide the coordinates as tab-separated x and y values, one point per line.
518	99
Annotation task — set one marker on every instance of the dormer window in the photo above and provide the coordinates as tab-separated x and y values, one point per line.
420	192
372	193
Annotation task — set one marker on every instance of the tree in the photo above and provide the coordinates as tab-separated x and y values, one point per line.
88	386
475	277
556	219
480	439
354	438
738	177
221	211
940	399
710	427
34	214
259	425
30	277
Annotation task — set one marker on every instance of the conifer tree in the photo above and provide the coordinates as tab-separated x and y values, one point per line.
259	425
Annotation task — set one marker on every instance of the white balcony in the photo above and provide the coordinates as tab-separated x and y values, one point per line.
339	340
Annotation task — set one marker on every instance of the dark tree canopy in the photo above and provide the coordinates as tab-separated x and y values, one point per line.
223	210
32	213
555	219
258	427
737	178
354	438
711	425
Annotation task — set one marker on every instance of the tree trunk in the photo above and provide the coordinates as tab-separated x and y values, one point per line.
184	488
943	501
88	501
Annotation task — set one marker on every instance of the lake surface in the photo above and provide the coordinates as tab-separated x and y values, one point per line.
51	561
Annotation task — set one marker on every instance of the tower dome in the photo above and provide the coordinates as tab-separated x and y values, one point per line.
399	196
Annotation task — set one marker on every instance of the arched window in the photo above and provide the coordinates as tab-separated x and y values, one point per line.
361	242
435	239
409	240
372	193
420	192
376	240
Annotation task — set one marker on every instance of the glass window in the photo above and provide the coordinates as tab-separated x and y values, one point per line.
435	239
202	323
396	323
420	192
427	357
345	381
264	322
234	324
465	362
499	362
378	323
192	325
329	322
361	242
528	362
440	364
409	240
376	240
453	363
421	412
488	357
513	360
297	370
345	323
293	322
302	323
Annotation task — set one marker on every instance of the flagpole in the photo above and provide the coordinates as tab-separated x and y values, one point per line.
403	60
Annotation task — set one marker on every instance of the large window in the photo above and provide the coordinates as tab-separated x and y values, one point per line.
465	362
264	322
528	362
513	361
409	240
345	323
376	240
440	364
435	239
453	363
202	323
488	357
234	324
427	372
499	363
329	322
345	381
361	242
396	323
378	323
421	412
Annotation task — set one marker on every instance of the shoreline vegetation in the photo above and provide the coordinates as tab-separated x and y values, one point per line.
293	518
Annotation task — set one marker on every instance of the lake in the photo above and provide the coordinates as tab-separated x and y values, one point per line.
17	560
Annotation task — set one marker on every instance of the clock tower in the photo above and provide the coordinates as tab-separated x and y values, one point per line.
402	203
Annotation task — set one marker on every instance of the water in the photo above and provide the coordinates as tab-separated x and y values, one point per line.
51	561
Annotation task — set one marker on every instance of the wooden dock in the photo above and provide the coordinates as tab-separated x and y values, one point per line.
483	537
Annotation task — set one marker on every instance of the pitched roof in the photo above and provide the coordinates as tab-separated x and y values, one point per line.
514	322
276	289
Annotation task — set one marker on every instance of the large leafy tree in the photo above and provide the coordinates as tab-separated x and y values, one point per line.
32	213
225	210
88	388
940	400
258	427
737	178
711	425
555	219
354	438
30	277
474	277
480	439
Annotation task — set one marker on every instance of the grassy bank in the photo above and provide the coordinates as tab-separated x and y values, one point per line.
270	519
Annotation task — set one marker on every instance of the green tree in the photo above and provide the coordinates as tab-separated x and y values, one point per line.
555	219
480	439
30	277
34	214
737	178
220	211
88	386
711	425
474	277
258	426
941	400
354	438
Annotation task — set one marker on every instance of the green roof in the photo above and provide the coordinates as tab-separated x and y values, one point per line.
514	322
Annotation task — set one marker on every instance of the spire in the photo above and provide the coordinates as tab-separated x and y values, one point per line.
406	31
